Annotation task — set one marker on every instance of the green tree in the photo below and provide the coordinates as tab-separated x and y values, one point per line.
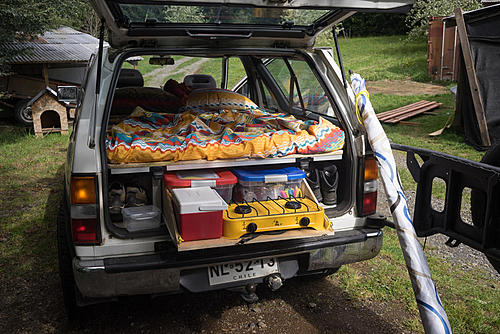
140	13
191	14
418	17
21	20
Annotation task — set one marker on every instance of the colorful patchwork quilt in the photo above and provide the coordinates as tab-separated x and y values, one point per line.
200	134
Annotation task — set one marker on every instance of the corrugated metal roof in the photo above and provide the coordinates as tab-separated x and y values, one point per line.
63	45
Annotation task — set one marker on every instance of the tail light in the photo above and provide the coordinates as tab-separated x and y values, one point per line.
84	231
84	218
370	186
83	190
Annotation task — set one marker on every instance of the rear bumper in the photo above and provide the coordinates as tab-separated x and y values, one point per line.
170	271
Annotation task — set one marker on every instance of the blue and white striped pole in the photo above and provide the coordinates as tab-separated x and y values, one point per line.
431	310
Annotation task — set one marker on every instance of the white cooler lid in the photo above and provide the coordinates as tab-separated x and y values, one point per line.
196	200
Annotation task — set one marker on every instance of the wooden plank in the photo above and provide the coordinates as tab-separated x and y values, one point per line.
203	164
434	46
170	220
224	242
404	108
410	113
45	74
424	107
410	108
471	75
413	113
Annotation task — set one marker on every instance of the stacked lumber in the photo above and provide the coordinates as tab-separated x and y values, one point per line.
397	115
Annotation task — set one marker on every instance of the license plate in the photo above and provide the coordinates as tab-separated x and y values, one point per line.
240	271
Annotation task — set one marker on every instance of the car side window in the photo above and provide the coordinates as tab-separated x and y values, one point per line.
235	72
313	94
269	101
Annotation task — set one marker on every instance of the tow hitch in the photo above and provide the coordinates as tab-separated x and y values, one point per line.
273	282
248	294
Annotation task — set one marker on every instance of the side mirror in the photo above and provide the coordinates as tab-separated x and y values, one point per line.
67	94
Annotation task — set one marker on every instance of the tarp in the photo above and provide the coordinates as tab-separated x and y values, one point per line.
483	31
431	310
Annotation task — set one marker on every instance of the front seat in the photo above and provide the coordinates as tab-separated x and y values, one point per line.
197	81
130	78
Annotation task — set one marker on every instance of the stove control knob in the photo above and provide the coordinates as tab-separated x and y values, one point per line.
251	228
304	221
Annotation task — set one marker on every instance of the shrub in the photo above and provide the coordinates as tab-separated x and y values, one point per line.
418	17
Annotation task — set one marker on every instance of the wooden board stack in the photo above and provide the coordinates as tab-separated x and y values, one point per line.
397	115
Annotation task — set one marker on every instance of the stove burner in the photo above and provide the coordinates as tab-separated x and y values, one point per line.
294	205
243	209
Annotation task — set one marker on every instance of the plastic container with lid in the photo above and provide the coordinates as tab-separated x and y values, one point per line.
141	218
199	212
258	185
222	181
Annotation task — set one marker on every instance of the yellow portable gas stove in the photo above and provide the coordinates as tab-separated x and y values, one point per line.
272	215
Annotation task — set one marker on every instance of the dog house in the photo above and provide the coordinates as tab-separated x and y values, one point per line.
49	114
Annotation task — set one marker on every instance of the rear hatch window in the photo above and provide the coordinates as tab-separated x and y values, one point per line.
250	23
220	14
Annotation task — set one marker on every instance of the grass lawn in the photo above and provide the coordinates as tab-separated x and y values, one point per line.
382	58
470	298
396	58
214	67
31	171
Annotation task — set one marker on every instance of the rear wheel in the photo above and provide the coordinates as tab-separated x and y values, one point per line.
22	113
478	198
65	264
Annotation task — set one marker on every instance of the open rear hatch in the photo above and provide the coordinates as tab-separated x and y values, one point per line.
247	23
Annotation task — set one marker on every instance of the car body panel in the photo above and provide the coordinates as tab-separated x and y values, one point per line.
93	264
159	274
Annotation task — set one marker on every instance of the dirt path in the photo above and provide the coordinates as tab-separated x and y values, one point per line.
301	306
157	77
404	87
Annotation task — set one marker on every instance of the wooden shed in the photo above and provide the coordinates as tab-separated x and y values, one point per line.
56	57
442	50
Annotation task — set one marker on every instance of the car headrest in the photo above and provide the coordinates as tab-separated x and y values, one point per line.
196	81
130	78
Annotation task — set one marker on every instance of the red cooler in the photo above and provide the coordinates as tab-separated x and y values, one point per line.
199	213
221	180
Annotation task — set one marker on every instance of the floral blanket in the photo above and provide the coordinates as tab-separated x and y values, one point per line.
200	134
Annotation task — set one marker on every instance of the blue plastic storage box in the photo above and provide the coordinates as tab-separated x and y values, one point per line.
267	184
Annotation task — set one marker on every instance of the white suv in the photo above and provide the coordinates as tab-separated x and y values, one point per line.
270	43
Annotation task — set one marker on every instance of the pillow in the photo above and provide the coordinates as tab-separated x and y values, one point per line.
149	98
217	98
